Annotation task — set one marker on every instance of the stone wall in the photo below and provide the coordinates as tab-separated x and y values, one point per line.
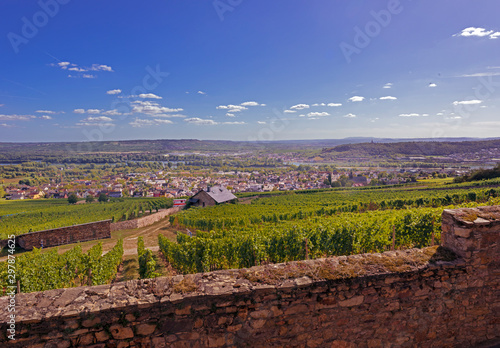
144	221
65	235
423	298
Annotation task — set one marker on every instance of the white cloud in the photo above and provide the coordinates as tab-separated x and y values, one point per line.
318	114
159	120
334	104
16	117
46	112
96	121
100	67
350	115
93	111
201	92
388	98
5	125
114	91
302	115
387	85
236	122
467	102
200	122
300	107
230	114
46	117
409	115
139	123
74	67
250	103
432	85
149	96
478	32
289	111
261	122
356	99
151	108
79	111
232	108
113	112
439	114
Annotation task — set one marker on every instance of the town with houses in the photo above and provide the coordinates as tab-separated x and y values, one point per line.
185	184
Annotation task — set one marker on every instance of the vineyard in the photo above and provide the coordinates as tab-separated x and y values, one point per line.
37	271
18	217
300	225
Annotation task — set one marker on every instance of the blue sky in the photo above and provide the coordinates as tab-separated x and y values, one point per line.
248	70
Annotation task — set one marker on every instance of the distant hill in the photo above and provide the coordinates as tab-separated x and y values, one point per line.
414	148
137	150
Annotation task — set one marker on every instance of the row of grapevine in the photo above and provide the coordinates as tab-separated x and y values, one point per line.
40	271
313	237
22	217
147	262
296	207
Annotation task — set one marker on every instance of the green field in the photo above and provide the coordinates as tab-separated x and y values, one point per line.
18	217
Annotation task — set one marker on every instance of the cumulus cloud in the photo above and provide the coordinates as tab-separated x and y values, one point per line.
114	91
200	122
318	114
388	98
350	116
149	96
467	102
46	112
261	122
409	115
289	111
356	98
478	32
232	108
432	85
140	123
299	107
93	111
387	85
201	92
79	111
235	122
250	103
46	117
230	114
151	108
79	69
334	104
113	112
16	117
96	121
